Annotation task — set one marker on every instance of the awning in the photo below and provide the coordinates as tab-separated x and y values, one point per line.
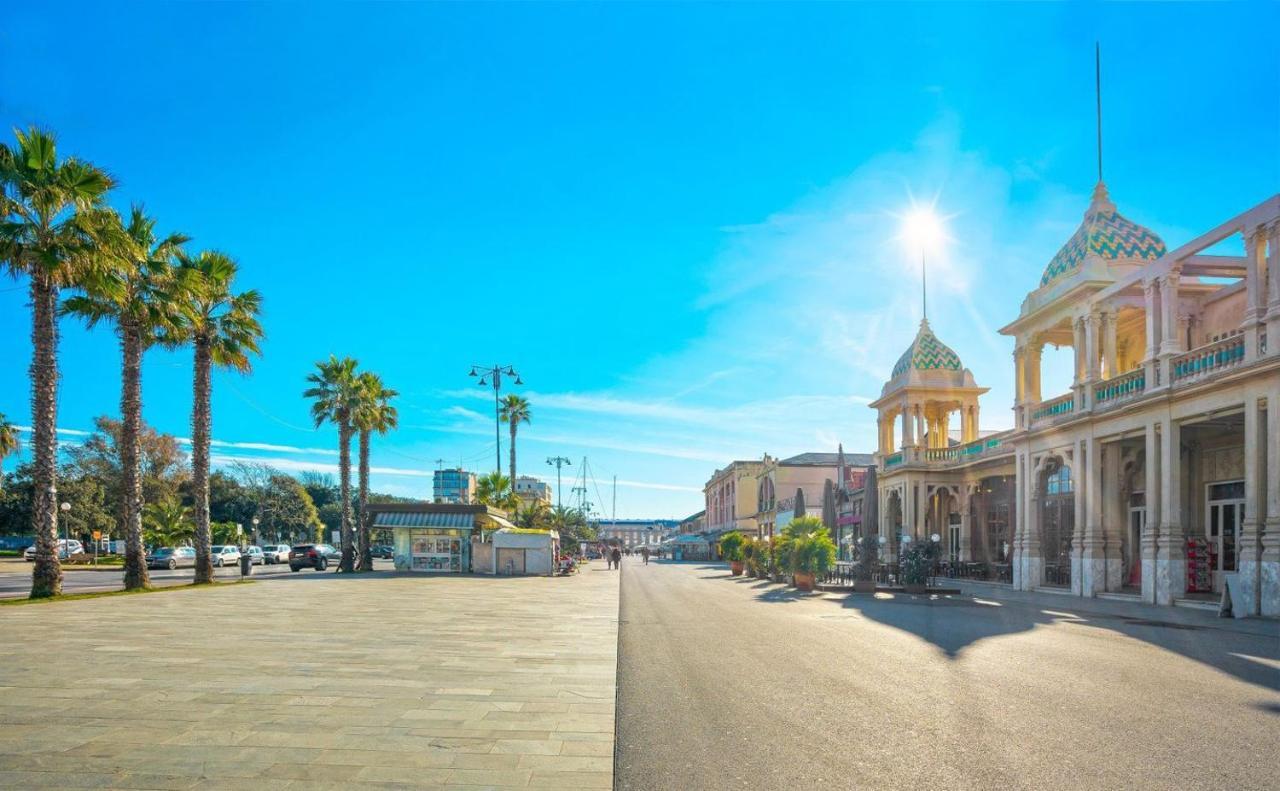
501	522
425	519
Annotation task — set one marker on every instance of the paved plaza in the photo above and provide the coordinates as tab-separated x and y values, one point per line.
316	681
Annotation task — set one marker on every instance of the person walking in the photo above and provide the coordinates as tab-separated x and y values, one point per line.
617	558
644	553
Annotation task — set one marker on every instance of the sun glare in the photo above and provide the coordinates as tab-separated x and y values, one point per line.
922	230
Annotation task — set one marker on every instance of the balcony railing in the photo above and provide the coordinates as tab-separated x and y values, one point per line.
893	460
1062	405
1119	389
1226	353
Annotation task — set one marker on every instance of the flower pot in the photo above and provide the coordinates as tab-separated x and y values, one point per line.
864	586
915	587
735	566
804	581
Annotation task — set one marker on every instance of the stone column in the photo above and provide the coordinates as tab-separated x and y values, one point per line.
1249	542
1079	514
1034	393
1273	289
908	436
1255	242
1150	293
1033	556
1093	566
1078	347
920	428
1270	560
1109	359
1115	517
965	551
1151	521
1171	550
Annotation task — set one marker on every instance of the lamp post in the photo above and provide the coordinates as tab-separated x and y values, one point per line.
496	372
559	461
66	527
255	529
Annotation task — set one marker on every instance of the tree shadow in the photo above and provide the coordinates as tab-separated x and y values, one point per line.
955	622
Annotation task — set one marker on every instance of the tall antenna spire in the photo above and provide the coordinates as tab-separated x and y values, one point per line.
1097	91
924	288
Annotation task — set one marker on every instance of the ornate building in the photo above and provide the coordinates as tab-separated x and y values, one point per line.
1157	476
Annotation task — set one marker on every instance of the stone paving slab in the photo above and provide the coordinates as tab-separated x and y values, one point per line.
381	681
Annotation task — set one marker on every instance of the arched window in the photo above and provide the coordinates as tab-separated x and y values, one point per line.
1058	481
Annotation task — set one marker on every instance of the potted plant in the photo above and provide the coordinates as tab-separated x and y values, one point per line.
731	550
751	555
780	558
812	555
917	566
865	568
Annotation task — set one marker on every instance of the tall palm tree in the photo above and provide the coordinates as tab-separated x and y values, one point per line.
374	413
335	396
514	411
494	489
45	204
224	329
139	294
9	443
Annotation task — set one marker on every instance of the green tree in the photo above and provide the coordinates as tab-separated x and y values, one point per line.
10	444
162	464
494	489
374	413
47	207
223	327
88	498
167	523
514	411
335	397
140	296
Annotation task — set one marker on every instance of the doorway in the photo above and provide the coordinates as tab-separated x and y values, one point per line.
1133	546
1224	504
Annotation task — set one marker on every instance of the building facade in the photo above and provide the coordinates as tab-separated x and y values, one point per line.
731	498
780	479
530	489
1157	476
636	533
453	486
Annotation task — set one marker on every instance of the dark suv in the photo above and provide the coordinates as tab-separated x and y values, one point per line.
316	556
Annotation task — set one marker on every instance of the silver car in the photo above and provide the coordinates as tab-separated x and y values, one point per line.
225	555
275	553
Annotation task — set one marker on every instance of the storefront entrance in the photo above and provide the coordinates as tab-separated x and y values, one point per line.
1133	544
1225	512
1057	521
437	551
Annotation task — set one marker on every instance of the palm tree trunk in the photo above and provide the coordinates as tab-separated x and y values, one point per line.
344	483
513	457
366	552
135	566
201	425
46	577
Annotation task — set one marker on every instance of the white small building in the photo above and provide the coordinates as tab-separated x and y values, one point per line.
516	551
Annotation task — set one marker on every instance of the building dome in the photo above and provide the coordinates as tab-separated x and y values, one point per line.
926	353
1104	233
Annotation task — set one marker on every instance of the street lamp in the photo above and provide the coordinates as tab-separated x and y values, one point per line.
66	527
559	461
496	373
255	528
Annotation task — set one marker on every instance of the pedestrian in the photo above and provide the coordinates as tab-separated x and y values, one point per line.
617	558
644	552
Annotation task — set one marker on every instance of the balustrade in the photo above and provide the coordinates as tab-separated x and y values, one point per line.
1120	388
1226	353
1062	405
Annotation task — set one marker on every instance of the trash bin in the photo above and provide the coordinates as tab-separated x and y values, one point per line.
246	565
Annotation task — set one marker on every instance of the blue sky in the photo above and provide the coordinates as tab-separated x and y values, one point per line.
677	221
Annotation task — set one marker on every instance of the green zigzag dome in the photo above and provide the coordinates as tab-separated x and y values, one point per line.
927	353
1106	234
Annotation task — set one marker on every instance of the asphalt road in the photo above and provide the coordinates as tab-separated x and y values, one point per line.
728	683
15	577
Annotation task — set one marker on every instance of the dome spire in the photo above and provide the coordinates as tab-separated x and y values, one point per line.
1097	93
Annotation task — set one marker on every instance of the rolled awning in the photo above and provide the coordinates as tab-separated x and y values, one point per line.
424	519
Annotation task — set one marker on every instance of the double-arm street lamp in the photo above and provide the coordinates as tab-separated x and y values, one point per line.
495	373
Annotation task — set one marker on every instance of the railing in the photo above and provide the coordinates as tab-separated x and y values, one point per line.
956	454
1226	353
894	460
1120	388
1062	405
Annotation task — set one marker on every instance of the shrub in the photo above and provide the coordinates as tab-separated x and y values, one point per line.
917	562
813	553
731	545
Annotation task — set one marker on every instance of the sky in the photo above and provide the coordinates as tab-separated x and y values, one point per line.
680	223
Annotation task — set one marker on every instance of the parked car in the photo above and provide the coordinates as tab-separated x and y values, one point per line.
66	548
275	553
171	557
256	555
225	555
316	556
384	551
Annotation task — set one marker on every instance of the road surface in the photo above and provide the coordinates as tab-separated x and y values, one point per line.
15	577
729	683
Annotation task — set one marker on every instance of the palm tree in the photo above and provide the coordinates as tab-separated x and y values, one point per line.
168	522
335	399
534	516
224	329
374	413
45	204
9	443
139	295
494	489
514	411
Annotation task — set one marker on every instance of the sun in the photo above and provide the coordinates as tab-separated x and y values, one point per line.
922	230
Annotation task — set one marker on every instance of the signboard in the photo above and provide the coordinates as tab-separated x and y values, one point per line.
337	536
97	535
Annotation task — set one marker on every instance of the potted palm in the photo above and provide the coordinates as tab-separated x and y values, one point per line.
731	550
865	568
917	566
751	555
812	555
